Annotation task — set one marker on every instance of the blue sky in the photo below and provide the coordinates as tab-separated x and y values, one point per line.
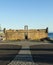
34	13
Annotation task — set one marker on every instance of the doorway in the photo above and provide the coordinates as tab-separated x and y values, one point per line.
26	37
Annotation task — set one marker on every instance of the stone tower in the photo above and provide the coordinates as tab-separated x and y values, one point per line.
26	27
26	31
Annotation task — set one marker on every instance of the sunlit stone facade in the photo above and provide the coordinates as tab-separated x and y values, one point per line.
26	34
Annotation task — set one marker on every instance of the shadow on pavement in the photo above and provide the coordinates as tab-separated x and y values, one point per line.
42	53
8	53
43	58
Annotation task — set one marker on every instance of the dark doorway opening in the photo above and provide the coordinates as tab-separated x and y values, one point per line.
26	37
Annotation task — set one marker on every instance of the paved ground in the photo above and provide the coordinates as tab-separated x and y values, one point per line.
23	58
26	57
35	56
8	53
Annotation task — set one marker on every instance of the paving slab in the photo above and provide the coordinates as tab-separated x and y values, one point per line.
23	58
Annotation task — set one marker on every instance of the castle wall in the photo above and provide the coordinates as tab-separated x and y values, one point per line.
14	35
37	34
31	34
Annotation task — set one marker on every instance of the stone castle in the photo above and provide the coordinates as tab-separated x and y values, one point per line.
25	34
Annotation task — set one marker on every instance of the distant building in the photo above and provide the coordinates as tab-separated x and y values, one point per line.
26	34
